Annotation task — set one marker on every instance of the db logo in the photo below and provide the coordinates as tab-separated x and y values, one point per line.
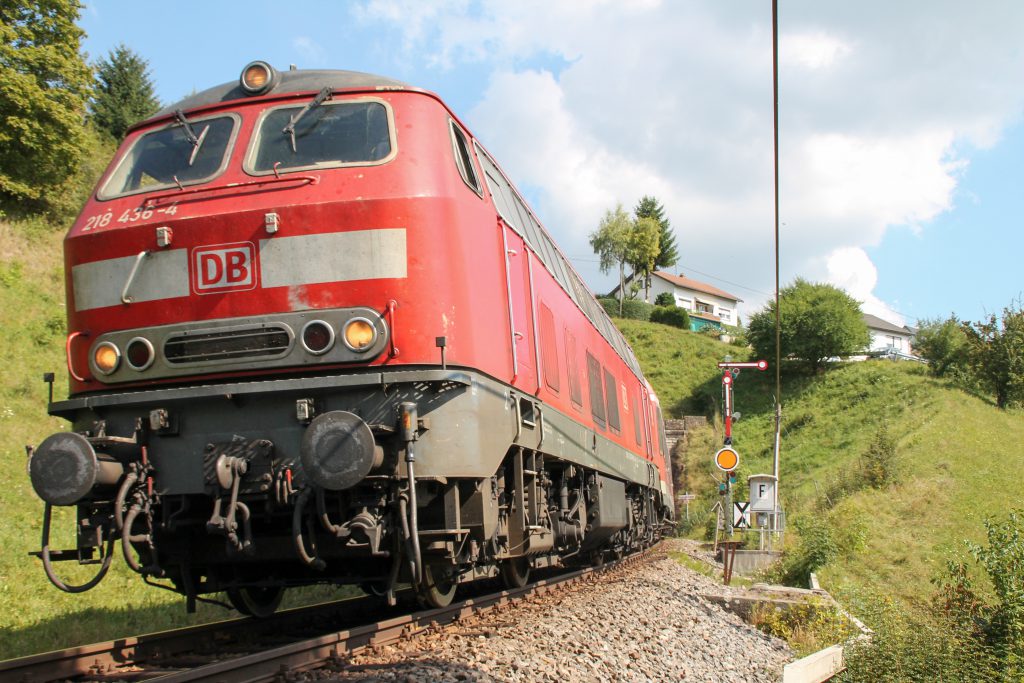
224	268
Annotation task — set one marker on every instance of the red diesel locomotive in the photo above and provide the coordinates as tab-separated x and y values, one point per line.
316	336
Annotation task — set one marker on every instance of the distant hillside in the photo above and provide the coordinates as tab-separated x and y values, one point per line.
956	456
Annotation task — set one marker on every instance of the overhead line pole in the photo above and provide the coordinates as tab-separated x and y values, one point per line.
778	318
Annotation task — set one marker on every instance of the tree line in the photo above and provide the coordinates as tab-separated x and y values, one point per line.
60	116
986	356
644	242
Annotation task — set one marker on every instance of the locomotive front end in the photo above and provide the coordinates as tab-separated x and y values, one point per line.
231	301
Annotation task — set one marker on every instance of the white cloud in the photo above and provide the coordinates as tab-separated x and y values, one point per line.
878	102
851	269
816	50
310	51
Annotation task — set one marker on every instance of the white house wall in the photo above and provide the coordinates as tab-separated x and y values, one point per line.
882	340
686	298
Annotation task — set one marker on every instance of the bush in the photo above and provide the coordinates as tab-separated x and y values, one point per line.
633	309
970	634
673	316
878	464
665	299
943	343
817	547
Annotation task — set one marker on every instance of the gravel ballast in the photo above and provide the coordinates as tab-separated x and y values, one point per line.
642	622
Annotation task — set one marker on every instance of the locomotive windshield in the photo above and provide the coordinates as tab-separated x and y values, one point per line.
332	134
180	154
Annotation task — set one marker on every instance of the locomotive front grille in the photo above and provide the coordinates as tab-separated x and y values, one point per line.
263	341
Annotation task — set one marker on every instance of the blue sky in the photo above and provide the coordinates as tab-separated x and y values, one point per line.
901	124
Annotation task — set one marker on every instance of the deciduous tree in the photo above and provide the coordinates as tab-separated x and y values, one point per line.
124	92
611	243
997	355
943	343
643	249
44	84
818	322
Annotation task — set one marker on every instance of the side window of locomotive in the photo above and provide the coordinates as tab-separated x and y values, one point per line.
464	159
597	408
549	348
342	133
611	395
170	156
575	390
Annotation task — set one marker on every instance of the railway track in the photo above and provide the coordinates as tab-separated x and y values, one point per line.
250	650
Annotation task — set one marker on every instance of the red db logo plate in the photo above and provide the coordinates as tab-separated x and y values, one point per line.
224	268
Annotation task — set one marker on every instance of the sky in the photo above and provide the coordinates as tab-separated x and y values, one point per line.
901	125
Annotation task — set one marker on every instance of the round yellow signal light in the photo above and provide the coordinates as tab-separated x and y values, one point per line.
106	357
727	459
360	334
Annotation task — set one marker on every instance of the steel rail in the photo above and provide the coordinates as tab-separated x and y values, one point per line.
107	656
149	657
310	654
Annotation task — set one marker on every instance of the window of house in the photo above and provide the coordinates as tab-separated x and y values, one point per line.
612	398
725	314
703	307
684	303
597	407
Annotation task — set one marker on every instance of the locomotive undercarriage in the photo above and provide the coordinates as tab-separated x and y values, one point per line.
249	489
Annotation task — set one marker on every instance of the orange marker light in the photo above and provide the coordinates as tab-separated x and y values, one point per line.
106	357
360	334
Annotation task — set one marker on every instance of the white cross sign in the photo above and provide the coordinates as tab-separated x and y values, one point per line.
741	515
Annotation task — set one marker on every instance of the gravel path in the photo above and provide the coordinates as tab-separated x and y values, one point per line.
645	622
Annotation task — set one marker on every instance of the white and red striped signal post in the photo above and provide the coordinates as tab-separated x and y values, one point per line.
727	459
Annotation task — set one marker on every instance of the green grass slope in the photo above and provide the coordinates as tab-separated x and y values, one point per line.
955	463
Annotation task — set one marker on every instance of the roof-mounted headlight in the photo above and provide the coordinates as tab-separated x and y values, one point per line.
258	77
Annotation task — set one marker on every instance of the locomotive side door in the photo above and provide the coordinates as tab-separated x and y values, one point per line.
520	304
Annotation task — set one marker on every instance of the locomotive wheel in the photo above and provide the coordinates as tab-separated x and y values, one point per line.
438	587
256	602
378	589
515	573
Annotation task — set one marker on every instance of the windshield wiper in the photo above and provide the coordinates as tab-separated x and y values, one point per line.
289	130
190	134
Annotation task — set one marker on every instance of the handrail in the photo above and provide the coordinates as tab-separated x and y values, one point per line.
392	338
533	317
125	299
67	352
153	200
508	290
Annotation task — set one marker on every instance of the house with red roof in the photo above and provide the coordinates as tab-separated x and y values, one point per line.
708	305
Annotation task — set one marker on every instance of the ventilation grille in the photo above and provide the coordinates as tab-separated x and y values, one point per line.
264	341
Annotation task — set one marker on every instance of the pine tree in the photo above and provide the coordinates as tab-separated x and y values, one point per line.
124	92
44	85
649	207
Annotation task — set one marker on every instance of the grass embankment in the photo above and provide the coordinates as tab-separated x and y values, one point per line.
954	461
